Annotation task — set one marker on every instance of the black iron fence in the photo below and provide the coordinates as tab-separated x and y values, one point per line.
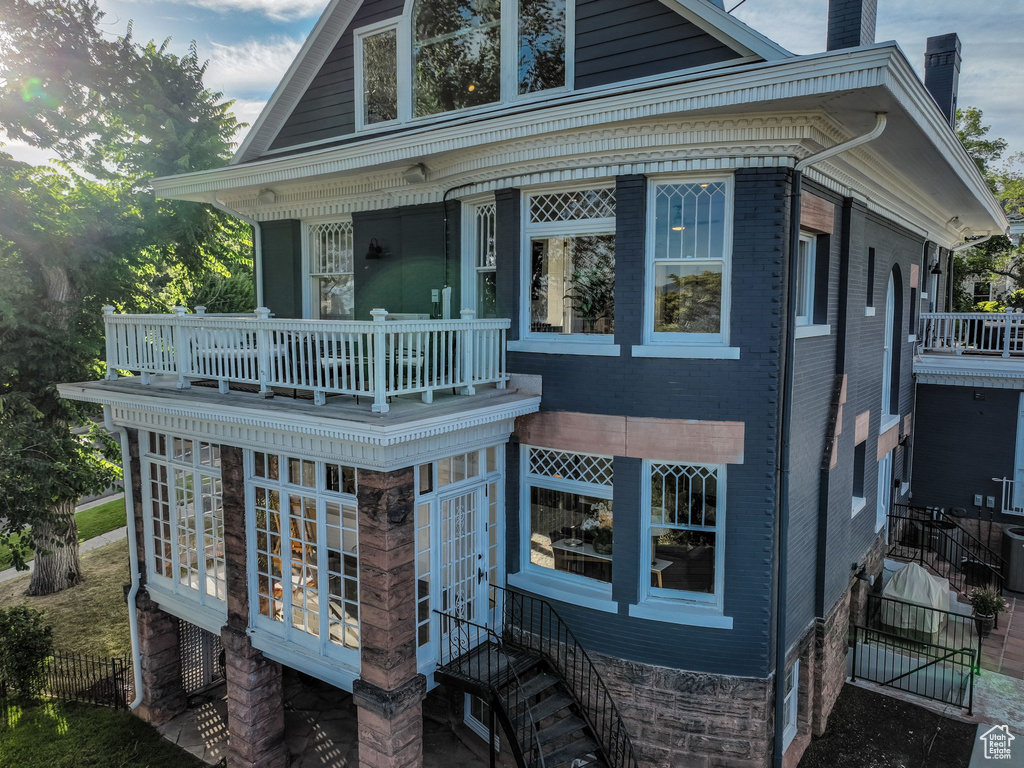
932	538
87	679
922	624
923	669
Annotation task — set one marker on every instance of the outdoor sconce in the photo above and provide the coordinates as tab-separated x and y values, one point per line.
375	251
417	174
936	269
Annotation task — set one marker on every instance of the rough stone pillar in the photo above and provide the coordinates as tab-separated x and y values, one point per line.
163	696
254	685
389	695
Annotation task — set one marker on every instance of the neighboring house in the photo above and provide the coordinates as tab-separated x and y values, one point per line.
635	418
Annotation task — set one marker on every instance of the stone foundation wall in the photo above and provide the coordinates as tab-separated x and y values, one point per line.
681	719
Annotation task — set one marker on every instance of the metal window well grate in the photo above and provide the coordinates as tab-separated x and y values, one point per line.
200	657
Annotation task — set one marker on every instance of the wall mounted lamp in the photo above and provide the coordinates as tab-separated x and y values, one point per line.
375	251
936	269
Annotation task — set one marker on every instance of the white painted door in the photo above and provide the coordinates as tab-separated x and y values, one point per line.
463	568
1018	464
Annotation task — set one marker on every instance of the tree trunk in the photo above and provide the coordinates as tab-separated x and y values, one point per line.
57	566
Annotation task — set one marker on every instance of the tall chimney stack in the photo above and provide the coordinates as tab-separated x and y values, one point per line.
942	73
851	23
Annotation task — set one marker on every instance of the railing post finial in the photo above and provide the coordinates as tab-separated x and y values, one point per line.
108	309
180	311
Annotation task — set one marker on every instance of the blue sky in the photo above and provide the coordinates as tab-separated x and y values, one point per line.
250	43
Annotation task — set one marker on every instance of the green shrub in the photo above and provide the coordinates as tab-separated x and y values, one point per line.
25	644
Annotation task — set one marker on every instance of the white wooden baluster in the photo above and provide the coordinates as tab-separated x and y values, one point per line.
1007	330
180	339
468	350
108	311
380	354
263	351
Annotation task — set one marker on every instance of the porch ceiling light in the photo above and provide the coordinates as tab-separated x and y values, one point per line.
417	174
266	197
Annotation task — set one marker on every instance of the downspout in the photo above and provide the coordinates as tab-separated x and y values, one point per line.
788	366
133	551
257	245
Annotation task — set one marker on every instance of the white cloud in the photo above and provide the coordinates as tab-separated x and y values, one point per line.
277	10
251	67
25	152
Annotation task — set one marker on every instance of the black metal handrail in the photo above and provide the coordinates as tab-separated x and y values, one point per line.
883	671
501	682
916	535
532	624
955	630
983	551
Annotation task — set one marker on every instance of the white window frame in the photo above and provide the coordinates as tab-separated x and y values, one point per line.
509	66
471	269
888	418
206	608
558	343
281	635
402	50
883	493
676	606
806	259
310	298
558	585
688	345
791	708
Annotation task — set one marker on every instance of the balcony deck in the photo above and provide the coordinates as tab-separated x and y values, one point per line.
981	349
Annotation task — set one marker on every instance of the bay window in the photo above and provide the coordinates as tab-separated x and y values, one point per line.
689	254
568	516
304	553
570	263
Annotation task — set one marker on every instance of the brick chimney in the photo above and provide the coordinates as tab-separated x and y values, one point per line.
851	23
942	72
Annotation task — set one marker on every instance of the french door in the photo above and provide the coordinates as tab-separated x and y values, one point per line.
463	567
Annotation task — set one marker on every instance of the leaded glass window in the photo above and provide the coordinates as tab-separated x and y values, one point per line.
331	270
690	258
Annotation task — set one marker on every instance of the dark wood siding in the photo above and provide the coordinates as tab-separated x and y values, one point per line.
619	41
615	41
282	267
327	109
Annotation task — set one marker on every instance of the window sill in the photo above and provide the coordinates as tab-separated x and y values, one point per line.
859	502
694	351
562	346
805	331
597	598
869	311
888	422
677	612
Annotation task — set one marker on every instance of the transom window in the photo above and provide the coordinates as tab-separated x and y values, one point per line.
685	527
447	55
570	262
185	511
305	551
332	284
689	253
570	514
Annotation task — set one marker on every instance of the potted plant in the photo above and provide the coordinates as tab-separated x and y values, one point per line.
986	603
599	525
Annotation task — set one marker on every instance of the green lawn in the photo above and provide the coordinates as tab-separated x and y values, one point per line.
91	618
91	523
55	735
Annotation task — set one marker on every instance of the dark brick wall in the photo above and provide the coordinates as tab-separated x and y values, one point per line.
962	443
731	390
851	23
942	72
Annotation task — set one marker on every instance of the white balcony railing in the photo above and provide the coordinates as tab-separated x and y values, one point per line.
1013	501
377	359
978	332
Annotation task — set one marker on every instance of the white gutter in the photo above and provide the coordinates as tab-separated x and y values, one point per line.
874	133
257	245
133	551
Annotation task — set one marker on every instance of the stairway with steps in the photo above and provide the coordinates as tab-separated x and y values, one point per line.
540	684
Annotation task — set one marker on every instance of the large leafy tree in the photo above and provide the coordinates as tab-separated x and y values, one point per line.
999	256
86	232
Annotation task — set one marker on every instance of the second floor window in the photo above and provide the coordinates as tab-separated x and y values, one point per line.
332	287
570	237
689	261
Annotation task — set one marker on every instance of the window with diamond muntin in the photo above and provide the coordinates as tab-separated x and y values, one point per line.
331	269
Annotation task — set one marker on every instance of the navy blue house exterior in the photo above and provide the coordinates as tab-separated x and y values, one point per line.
619	227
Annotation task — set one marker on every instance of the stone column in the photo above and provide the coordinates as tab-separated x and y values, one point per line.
389	695
254	686
163	696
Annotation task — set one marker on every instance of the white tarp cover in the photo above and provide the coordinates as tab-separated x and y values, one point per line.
913	584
